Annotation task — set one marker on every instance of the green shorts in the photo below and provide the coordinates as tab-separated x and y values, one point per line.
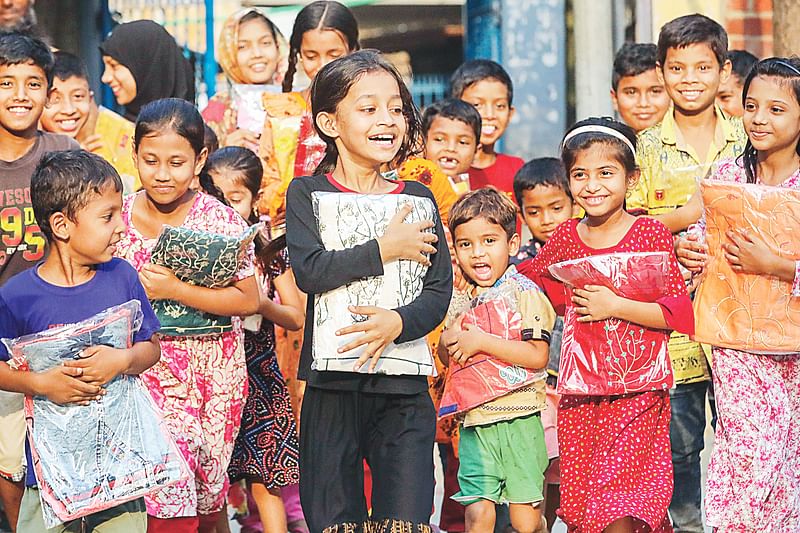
502	462
129	517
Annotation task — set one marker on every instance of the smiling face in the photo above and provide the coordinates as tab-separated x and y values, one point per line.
319	47
543	208
119	78
490	98
68	106
598	181
97	227
772	115
482	250
23	93
729	96
641	100
167	166
451	144
256	51
369	125
692	76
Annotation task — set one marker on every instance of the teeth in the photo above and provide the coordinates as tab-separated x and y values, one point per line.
488	130
18	110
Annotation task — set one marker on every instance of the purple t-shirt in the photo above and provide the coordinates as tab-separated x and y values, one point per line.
29	304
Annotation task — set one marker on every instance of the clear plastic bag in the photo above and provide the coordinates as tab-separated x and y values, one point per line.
485	378
614	356
748	311
94	457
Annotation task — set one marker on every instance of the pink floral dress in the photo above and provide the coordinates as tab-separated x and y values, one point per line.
754	474
200	383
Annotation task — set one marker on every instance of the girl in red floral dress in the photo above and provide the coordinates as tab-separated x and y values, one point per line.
616	468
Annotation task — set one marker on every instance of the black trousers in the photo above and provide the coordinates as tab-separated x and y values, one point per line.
394	433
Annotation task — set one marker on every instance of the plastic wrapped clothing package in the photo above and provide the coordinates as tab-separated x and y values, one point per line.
94	457
614	356
198	258
485	378
346	220
748	311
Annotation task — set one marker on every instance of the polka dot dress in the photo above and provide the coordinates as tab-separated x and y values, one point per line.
615	452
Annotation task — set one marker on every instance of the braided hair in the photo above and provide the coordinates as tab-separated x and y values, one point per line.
322	15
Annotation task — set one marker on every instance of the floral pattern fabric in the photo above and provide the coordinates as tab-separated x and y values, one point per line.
200	383
754	473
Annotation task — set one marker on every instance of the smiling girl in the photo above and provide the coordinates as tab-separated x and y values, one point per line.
616	468
752	477
366	116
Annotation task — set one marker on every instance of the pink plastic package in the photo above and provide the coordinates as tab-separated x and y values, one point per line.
614	356
93	457
484	377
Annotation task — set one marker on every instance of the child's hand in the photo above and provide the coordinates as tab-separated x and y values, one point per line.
747	252
407	240
159	282
691	253
92	143
382	327
594	302
243	138
469	342
100	364
62	385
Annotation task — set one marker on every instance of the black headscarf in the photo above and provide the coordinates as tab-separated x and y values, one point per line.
155	61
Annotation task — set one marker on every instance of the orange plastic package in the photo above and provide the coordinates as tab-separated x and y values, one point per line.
748	312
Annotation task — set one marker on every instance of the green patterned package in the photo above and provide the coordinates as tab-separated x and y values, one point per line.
198	258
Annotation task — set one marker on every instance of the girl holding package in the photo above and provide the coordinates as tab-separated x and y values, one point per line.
616	469
753	482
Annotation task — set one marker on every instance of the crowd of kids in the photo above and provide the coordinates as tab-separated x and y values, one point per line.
265	429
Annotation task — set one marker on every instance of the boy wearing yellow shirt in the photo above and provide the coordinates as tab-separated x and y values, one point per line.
673	156
72	111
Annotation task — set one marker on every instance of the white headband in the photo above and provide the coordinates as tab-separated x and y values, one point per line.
599	129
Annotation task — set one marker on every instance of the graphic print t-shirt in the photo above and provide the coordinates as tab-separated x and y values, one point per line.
22	243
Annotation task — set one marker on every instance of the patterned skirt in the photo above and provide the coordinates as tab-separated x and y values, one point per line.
266	450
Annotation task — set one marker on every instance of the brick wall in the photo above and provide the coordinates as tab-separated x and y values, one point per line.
749	26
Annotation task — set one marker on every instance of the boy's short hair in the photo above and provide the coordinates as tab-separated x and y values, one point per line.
633	59
742	61
65	182
17	48
68	66
487	202
546	171
693	29
471	72
454	109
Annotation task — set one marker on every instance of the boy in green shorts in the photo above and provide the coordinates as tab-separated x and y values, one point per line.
502	450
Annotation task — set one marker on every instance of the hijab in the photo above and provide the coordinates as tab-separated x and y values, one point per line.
227	48
155	61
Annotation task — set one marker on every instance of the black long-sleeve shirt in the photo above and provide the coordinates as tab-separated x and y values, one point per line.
318	270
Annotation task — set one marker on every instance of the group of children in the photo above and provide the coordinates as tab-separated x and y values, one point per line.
605	462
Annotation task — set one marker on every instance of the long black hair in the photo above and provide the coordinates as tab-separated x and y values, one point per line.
333	82
180	116
787	70
320	15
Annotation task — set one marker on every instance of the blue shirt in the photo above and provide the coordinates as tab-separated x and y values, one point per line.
29	304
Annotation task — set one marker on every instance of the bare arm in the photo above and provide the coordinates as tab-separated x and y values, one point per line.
684	216
594	303
529	354
291	312
61	384
239	299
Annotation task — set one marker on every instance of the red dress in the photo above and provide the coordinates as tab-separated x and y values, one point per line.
615	451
